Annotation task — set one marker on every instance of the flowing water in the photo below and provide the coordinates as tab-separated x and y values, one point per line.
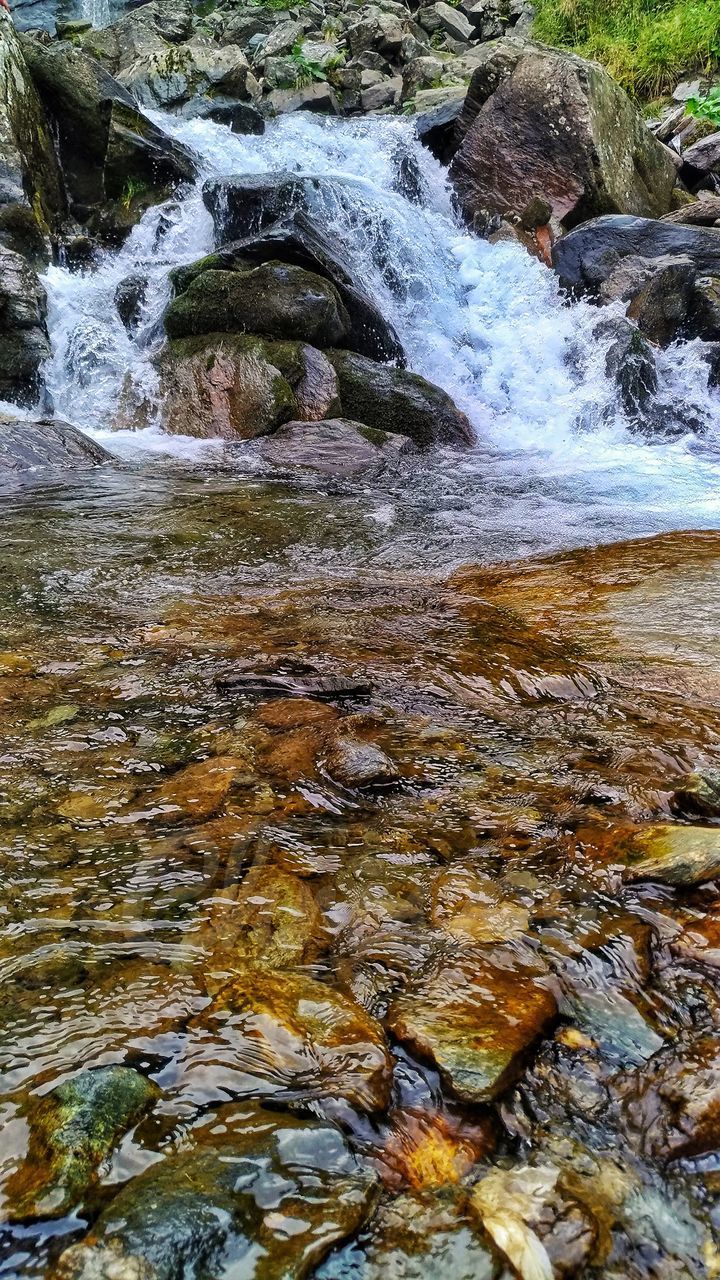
164	832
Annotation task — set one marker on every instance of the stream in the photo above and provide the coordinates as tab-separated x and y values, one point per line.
527	634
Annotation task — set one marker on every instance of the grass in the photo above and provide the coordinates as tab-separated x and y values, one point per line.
647	45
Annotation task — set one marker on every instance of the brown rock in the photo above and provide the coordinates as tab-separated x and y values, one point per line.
198	792
356	764
471	909
270	918
223	385
672	1103
673	854
293	713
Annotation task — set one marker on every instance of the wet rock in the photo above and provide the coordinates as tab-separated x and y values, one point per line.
704	212
243	205
476	1022
630	364
435	121
31	198
674	855
542	1230
358	765
701	162
240	117
471	908
334	447
227	386
24	342
398	401
698	796
660	296
317	393
558	127
259	1195
129	300
672	1104
270	918
115	162
284	1035
72	1130
301	241
699	941
415	1236
294	685
586	258
26	444
320	97
198	791
295	713
273	300
376	30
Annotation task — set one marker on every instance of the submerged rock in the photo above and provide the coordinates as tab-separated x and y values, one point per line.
333	447
26	444
672	1104
72	1130
257	1195
630	364
359	765
397	400
674	855
553	125
270	918
24	341
284	1035
198	791
476	1021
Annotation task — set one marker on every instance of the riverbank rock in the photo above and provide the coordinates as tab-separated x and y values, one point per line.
29	443
551	125
674	855
667	273
115	162
273	300
72	1130
267	1195
24	341
476	1021
300	240
396	400
284	1035
31	197
334	447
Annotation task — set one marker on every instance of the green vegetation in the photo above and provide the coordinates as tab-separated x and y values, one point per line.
707	108
307	70
648	45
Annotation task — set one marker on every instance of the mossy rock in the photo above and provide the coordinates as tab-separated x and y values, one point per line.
395	400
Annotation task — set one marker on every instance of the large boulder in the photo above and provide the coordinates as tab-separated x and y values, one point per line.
667	273
396	400
274	300
31	198
552	125
26	444
24	343
299	240
115	161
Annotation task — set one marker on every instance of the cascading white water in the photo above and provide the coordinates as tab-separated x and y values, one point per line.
485	322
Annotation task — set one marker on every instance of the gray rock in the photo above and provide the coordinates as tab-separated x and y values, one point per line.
674	855
586	257
320	97
398	401
630	363
385	94
343	449
24	342
26	444
129	299
453	21
359	765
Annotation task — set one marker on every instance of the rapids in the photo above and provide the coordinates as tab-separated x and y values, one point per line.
555	464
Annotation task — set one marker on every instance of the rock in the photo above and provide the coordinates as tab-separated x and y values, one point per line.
270	918
281	39
198	791
701	161
470	908
270	1195
240	117
24	342
274	300
384	94
294	686
31	197
560	128
435	121
630	364
375	30
587	257
697	796
72	1130
672	1103
129	300
398	401
286	1036
190	79
334	447
704	212
300	241
452	20
115	162
320	97
659	296
242	205
674	855
26	444
536	1223
421	73
227	386
317	393
359	765
476	1022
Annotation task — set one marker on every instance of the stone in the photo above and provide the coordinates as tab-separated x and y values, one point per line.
395	400
386	93
469	908
587	257
358	765
273	300
286	1036
704	212
24	341
115	162
672	1103
661	301
705	308
421	73
436	115
697	796
129	300
27	444
560	128
190	79
542	1229
673	854
453	21
265	1196
630	363
701	161
72	1130
335	447
269	918
240	117
32	202
299	240
319	96
377	31
199	791
282	39
227	386
475	1021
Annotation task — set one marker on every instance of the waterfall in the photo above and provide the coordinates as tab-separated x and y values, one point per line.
486	322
